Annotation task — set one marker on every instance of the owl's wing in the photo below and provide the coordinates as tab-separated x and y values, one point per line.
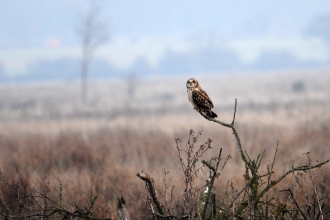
201	99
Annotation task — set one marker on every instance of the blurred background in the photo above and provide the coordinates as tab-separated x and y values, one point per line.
77	58
42	40
91	92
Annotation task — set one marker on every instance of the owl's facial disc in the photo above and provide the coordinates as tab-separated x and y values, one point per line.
191	83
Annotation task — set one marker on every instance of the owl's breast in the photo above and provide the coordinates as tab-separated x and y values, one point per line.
190	97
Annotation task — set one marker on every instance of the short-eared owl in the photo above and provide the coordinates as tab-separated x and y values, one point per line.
199	98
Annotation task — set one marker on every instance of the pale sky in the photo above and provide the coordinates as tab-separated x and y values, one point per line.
35	29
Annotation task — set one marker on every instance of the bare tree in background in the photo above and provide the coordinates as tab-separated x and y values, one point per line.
132	84
93	33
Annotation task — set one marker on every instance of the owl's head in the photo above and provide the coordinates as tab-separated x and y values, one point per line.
192	83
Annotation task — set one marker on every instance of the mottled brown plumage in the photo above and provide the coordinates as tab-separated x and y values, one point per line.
199	98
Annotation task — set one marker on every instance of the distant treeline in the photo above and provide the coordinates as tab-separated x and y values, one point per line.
205	60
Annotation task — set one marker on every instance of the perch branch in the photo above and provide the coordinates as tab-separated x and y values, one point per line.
253	166
232	126
152	191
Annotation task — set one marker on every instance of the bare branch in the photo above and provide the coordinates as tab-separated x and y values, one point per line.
295	202
232	126
152	191
253	166
294	169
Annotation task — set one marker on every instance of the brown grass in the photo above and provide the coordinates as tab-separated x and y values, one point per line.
101	155
105	162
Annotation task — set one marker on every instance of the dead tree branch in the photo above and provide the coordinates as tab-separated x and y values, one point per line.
152	191
232	126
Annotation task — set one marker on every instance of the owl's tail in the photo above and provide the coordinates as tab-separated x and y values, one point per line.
211	114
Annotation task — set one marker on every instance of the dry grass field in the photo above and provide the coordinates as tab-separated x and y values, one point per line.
51	144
